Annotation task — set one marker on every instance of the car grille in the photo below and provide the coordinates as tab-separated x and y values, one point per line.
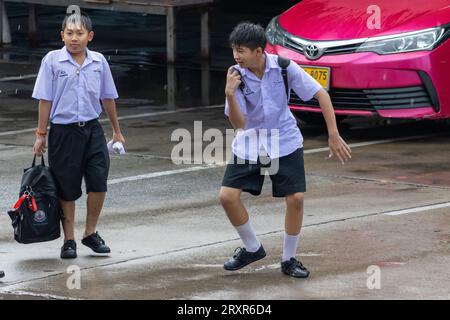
344	49
292	45
371	99
351	48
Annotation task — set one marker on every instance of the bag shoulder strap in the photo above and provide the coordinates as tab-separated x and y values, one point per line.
40	175
34	161
284	64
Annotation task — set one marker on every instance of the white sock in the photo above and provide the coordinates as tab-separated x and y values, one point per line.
289	246
248	236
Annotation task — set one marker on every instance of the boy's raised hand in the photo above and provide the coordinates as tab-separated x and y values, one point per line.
339	148
233	81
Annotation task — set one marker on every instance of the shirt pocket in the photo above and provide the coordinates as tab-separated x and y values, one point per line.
279	91
93	81
278	83
61	79
251	95
61	74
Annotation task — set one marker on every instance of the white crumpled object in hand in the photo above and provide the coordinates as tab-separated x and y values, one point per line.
116	147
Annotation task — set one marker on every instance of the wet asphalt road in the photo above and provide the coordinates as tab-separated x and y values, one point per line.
170	236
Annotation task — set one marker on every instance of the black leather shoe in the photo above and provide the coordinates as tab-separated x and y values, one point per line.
242	257
294	268
2	274
96	243
69	250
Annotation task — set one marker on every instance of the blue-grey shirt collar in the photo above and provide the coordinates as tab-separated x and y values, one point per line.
65	56
270	64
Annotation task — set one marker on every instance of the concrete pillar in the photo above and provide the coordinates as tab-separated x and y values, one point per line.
171	86
205	34
5	30
206	80
32	25
171	37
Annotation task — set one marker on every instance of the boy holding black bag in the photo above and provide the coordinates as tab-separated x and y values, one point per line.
70	85
36	216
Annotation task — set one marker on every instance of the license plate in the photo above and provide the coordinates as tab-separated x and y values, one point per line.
320	74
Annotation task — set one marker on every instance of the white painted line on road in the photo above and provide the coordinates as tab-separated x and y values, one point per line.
156	174
369	143
157	113
309	254
134	116
208	266
218	165
21	77
269	266
26	294
10	133
418	209
197	168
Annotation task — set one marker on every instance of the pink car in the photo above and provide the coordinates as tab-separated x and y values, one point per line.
387	57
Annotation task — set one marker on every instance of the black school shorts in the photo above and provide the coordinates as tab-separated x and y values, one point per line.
75	152
288	179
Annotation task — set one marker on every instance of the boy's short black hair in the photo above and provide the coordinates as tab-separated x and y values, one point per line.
249	35
82	19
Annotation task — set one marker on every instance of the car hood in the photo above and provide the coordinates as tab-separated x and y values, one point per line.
348	19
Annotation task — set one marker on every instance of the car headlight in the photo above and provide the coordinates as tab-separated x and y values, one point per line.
406	42
274	32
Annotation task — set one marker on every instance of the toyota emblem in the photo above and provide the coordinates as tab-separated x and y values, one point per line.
312	51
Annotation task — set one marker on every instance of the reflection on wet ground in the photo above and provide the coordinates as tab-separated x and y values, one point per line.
170	235
134	45
144	84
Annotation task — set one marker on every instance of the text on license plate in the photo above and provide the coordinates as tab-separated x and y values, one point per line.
320	74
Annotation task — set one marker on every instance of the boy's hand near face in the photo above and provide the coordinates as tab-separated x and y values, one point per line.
236	117
233	81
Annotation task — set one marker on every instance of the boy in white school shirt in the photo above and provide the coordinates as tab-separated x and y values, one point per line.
70	85
256	102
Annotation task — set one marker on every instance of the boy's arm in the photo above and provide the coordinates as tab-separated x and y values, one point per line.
41	132
337	145
110	108
306	87
235	115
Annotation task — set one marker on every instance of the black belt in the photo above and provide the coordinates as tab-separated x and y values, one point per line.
77	124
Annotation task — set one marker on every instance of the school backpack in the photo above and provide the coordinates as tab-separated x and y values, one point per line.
37	214
284	64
